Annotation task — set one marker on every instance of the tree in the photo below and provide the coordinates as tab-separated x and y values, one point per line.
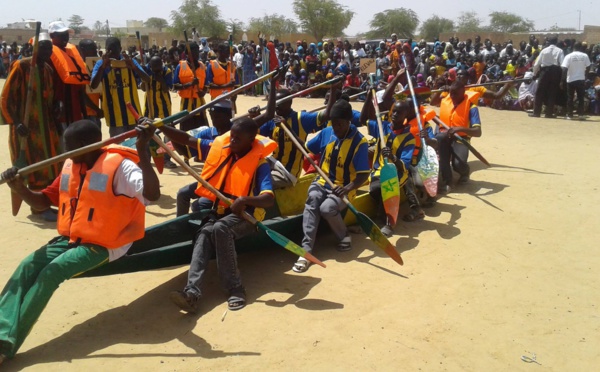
509	22
75	22
434	26
322	18
156	22
202	15
400	21
468	22
101	28
235	27
274	24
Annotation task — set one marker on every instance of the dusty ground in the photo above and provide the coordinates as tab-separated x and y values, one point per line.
504	266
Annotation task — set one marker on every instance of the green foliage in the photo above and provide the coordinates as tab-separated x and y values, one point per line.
468	22
272	25
156	22
434	26
101	28
202	15
401	21
509	22
235	27
322	18
75	22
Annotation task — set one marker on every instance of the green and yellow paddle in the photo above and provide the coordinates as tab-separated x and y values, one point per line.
275	236
368	226
388	175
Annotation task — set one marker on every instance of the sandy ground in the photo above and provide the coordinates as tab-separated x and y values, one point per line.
504	266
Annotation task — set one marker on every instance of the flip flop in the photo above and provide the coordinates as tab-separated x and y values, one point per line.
236	302
301	265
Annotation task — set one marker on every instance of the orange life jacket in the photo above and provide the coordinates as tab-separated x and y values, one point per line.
69	65
186	76
90	212
232	178
221	76
458	116
426	115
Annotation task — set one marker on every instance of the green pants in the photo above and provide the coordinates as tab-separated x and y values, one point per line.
34	281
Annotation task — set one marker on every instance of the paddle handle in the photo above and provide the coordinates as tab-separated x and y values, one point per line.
84	150
514	81
464	142
307	90
228	95
379	123
352	98
414	97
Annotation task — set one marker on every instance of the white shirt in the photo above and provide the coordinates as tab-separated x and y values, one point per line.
576	63
549	56
238	58
128	181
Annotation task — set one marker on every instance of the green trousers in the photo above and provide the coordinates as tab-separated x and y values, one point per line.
34	281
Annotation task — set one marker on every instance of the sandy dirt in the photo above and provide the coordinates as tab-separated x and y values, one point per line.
502	267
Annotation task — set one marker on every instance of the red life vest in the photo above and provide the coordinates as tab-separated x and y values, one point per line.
69	65
231	177
221	76
90	212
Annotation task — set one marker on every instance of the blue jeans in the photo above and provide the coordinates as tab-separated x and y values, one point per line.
188	193
218	236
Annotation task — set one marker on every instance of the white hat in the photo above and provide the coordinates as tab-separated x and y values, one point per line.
58	26
43	36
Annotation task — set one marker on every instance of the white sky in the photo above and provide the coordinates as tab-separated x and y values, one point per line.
544	13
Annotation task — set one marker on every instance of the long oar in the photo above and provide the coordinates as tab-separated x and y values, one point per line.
94	146
352	98
21	161
388	175
428	166
514	81
307	90
227	95
368	226
275	236
464	142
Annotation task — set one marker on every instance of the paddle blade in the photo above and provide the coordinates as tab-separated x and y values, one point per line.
390	191
16	202
289	245
428	168
374	233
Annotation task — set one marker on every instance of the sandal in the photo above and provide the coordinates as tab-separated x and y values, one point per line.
414	215
301	265
236	301
345	244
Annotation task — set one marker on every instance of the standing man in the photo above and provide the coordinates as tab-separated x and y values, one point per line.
88	48
71	74
191	87
574	69
220	74
104	215
548	67
42	140
118	74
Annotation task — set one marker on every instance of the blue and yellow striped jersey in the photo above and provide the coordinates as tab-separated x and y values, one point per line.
156	98
302	124
341	159
119	86
402	143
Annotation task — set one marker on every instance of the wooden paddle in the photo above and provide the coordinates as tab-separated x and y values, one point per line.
352	98
464	142
368	226
94	146
307	90
230	69
21	161
388	175
428	167
227	95
514	81
275	236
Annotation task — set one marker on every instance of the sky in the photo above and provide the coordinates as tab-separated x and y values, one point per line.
544	13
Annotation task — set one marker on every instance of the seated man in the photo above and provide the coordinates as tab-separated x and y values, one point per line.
99	217
459	111
236	166
344	158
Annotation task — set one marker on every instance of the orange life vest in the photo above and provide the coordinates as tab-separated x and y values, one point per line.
90	212
232	177
186	76
426	115
69	65
458	116
221	76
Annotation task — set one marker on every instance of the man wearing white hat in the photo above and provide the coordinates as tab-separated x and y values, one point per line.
72	74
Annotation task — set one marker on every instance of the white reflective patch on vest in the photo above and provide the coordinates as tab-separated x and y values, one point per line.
64	182
98	182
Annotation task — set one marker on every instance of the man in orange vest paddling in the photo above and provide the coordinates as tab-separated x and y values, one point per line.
101	197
